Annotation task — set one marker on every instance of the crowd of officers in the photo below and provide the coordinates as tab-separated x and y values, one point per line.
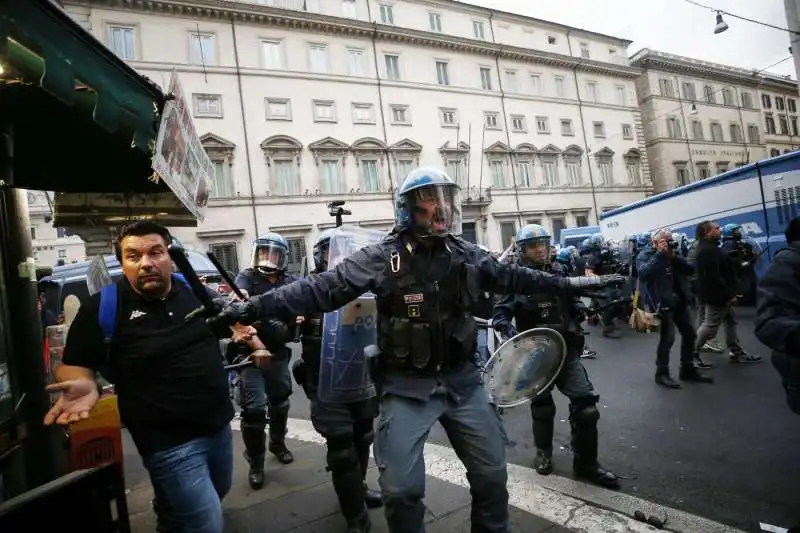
429	283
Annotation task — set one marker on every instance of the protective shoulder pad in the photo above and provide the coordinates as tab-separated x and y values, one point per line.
107	317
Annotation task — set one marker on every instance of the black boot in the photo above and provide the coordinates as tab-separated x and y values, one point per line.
690	373
372	498
277	437
665	380
584	448
255	449
349	487
543	463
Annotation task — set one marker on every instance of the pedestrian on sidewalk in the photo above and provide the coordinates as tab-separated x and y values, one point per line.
426	280
168	375
718	289
664	290
346	427
699	306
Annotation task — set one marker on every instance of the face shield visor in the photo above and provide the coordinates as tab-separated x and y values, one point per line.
435	211
269	256
537	252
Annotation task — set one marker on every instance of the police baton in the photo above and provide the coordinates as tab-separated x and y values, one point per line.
178	255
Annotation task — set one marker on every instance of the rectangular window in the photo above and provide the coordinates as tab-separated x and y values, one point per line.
355	62
498	173
34	232
122	39
349	8
387	14
682	174
478	30
363	113
448	116
566	127
285	177
792	105
369	175
558	81
518	123
524	174
392	67
581	221
318	58
61	232
747	100
793	122
665	86
621	95
784	125
207	105
752	133
673	128
585	50
486	78
736	133
324	111
703	171
455	169
769	123
442	75
400	114
332	182
551	39
542	125
727	96
722	168
226	253
606	176
627	131
558	226
599	129
634	171
573	173
491	120
688	91
549	173
716	132
779	103
221	184
766	101
697	130
272	54
508	232
710	96
404	168
435	22
279	109
591	91
536	84
201	49
511	81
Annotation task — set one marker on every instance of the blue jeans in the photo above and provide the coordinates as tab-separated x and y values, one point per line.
190	481
474	430
483	345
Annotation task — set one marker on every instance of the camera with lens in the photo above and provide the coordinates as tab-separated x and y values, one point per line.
673	245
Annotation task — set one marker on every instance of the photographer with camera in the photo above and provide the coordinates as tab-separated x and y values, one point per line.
663	287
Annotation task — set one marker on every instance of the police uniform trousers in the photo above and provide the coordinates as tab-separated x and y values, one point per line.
348	429
474	430
265	391
573	382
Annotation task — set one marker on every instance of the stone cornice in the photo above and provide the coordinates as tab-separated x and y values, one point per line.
257	14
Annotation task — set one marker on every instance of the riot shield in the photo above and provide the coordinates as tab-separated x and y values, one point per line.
344	370
525	366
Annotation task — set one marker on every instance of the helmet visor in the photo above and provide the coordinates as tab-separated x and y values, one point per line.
537	251
269	256
436	210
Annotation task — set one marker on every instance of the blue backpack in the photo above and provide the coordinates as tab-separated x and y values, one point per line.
107	317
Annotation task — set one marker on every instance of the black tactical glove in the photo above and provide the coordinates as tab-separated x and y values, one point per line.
232	312
507	333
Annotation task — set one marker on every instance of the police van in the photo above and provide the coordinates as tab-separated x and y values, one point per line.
762	197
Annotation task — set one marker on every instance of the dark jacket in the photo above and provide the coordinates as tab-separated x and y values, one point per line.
663	280
778	318
717	280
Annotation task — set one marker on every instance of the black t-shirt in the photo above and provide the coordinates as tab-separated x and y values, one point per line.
168	372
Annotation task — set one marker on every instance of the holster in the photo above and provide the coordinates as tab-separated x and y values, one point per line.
376	366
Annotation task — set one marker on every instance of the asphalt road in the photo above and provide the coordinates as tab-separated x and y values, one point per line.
729	451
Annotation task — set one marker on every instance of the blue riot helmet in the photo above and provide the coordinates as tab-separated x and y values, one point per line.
321	246
533	244
429	204
270	253
732	231
643	240
564	257
595	243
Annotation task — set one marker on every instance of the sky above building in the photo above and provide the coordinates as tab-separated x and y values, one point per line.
675	26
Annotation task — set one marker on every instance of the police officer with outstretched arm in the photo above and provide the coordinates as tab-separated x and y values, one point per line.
268	382
347	427
563	313
426	279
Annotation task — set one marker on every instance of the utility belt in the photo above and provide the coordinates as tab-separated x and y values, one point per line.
420	348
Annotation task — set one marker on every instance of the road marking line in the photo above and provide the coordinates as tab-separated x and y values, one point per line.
558	499
771	528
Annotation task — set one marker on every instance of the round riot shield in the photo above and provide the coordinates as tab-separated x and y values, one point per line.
525	366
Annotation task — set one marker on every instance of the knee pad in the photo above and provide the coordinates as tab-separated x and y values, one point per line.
544	410
254	417
587	415
342	455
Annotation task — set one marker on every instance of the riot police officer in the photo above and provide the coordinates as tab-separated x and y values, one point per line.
743	256
600	261
425	279
269	383
347	427
562	313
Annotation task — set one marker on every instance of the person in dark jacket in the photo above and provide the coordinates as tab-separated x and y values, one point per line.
718	289
778	314
663	277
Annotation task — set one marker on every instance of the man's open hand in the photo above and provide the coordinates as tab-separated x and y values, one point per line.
78	397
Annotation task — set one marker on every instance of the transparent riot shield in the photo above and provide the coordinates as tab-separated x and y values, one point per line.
344	370
525	366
